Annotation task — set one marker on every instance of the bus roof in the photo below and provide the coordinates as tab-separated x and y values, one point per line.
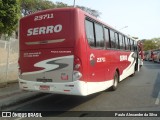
85	13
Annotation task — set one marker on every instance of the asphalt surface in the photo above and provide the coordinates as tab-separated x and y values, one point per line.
138	93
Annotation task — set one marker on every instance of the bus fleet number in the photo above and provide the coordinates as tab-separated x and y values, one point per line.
42	17
101	59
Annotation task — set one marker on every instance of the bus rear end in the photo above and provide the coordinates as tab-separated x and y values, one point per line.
46	61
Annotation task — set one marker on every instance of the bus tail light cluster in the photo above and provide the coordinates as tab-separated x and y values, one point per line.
19	70
77	68
76	75
77	63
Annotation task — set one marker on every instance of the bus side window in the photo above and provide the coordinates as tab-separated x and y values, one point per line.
106	33
99	36
116	40
120	42
127	43
131	42
124	43
135	46
126	40
90	33
112	39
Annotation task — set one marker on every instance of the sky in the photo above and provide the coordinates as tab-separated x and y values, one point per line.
141	16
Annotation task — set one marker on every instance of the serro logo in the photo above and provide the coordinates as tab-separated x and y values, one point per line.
44	30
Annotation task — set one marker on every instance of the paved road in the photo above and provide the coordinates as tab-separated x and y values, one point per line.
138	93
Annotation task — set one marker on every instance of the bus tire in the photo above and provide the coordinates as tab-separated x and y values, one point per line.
115	83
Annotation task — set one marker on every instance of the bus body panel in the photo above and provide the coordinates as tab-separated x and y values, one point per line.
112	60
47	46
49	32
47	56
39	65
80	44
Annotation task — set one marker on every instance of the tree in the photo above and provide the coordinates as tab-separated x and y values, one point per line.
61	4
31	6
151	44
9	16
157	42
95	13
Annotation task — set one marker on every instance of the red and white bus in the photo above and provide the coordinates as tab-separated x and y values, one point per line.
156	55
153	55
150	55
141	53
68	51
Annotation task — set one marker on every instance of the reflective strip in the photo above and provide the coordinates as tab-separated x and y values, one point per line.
45	42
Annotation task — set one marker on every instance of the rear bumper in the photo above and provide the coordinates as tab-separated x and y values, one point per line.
69	88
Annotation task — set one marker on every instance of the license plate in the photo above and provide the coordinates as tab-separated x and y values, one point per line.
44	80
44	87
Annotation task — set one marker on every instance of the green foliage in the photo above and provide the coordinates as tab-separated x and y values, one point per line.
151	44
36	5
31	6
9	16
60	5
95	13
148	45
11	11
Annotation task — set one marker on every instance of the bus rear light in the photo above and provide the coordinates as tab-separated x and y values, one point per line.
77	63
77	66
66	90
76	59
76	75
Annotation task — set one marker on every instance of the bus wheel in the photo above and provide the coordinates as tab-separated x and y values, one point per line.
116	80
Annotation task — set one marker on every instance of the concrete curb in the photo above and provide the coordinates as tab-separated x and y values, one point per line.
4	84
